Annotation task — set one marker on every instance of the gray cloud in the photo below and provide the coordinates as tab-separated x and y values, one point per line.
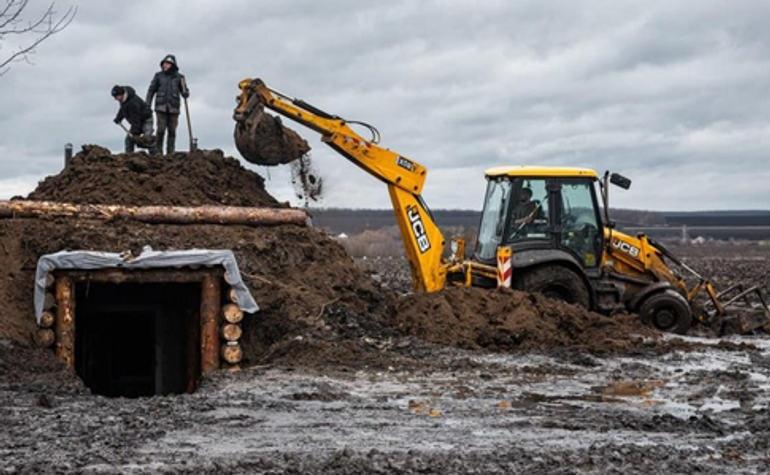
671	94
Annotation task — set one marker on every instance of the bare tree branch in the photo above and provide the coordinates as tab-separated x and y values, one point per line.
35	32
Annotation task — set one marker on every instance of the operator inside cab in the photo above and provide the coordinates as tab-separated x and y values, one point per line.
525	209
527	215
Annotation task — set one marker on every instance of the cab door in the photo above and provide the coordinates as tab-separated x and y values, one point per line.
579	230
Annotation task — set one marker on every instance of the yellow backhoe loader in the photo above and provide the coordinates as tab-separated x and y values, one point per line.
542	229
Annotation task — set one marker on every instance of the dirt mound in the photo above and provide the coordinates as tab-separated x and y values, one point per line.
507	320
199	178
304	282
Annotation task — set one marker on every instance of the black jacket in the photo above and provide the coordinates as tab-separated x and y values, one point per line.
134	110
167	87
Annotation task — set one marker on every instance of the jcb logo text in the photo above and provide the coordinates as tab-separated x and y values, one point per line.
423	243
632	251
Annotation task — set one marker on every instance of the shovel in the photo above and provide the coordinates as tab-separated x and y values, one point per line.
193	141
142	141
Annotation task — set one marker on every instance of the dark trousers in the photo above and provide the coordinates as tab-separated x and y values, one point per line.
146	131
167	122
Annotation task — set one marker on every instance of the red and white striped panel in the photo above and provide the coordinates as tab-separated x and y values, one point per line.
504	267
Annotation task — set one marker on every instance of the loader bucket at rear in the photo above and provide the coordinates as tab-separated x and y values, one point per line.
744	311
262	139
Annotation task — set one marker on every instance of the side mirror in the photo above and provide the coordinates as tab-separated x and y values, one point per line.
621	181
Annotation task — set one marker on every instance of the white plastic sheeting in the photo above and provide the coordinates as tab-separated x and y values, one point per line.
148	259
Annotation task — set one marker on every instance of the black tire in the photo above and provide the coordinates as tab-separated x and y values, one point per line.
667	311
555	282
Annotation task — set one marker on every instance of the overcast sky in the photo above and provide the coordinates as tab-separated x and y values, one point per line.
673	94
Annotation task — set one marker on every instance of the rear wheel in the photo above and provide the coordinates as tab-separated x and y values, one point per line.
667	311
555	282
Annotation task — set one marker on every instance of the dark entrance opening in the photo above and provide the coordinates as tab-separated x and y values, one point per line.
138	339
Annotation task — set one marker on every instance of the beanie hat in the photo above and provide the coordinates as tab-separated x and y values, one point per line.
118	91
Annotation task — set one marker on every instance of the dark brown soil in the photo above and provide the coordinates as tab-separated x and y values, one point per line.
263	140
181	179
507	320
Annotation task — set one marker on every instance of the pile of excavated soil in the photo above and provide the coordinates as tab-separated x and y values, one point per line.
508	320
96	176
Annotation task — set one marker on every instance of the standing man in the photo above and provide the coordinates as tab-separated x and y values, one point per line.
137	113
166	87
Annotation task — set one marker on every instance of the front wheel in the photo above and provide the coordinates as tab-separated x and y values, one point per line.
668	311
555	282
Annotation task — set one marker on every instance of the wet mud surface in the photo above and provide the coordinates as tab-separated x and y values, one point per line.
450	411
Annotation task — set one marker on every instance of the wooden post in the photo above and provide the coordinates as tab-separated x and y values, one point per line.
210	305
65	321
193	350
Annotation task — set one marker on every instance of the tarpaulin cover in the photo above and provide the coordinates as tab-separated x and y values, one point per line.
148	259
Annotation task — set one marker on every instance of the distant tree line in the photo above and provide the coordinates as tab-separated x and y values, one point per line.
356	221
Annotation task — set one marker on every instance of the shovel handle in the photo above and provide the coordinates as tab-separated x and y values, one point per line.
187	115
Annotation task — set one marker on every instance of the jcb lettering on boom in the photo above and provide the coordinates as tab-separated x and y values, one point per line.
626	247
418	229
404	163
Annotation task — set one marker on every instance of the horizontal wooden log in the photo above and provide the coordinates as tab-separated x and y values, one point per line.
232	353
231	332
144	276
44	337
49	301
231	313
49	280
232	295
239	215
47	319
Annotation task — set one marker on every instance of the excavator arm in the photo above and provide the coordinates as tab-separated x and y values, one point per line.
404	177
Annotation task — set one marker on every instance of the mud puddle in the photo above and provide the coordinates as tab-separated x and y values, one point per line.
683	410
460	412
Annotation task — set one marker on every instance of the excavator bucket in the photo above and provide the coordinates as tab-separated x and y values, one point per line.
262	138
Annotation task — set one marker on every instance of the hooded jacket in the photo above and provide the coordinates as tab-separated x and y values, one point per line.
167	87
134	110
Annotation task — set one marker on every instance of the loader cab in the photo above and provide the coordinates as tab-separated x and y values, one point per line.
539	208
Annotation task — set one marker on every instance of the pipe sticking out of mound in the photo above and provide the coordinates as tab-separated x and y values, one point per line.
235	215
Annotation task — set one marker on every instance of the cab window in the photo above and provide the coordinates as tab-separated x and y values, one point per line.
579	224
493	217
529	214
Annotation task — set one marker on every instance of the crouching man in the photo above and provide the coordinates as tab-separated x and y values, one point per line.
139	115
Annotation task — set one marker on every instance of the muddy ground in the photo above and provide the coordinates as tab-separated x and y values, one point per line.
414	408
346	375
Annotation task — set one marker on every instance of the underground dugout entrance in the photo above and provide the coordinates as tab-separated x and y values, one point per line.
138	333
137	339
